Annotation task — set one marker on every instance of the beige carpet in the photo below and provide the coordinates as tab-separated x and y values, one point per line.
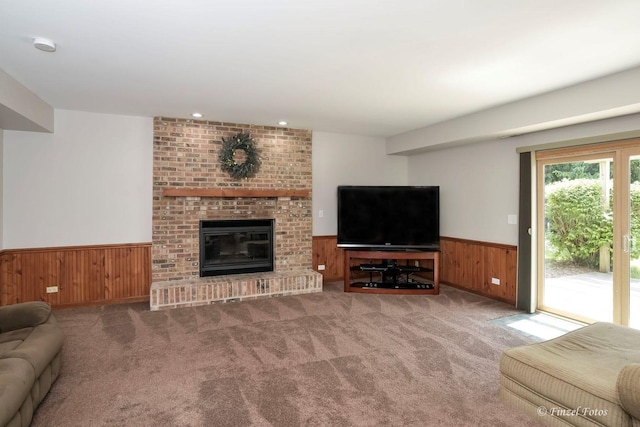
325	359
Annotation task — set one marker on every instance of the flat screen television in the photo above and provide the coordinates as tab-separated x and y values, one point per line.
389	217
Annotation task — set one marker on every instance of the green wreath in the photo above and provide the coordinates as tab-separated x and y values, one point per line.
250	166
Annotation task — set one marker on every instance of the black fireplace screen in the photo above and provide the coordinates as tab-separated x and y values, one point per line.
236	246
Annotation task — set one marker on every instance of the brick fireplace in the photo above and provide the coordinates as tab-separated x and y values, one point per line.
189	186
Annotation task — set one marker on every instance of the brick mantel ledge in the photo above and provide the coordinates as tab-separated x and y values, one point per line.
231	193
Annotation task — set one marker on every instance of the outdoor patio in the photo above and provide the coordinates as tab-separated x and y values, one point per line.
590	295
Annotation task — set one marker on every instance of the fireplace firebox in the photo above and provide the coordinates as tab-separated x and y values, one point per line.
236	246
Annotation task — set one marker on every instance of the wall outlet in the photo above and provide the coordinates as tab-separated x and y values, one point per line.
321	267
495	281
320	213
52	289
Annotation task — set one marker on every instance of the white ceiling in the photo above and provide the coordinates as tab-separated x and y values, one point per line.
371	67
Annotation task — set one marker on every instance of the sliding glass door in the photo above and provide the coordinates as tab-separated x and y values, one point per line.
577	237
589	233
630	296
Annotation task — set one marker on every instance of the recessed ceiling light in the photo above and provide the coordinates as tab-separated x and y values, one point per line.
282	123
44	44
197	115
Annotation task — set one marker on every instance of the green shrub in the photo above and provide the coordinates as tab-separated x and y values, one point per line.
634	208
577	224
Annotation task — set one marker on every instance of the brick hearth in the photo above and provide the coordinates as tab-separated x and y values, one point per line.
202	291
186	156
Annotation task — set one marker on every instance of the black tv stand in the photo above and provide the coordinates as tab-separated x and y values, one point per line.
390	275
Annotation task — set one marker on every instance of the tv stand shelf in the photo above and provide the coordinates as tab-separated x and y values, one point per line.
391	277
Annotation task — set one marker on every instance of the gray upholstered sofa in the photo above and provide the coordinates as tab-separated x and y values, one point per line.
588	377
30	359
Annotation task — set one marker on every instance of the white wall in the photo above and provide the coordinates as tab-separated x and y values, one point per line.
91	181
88	183
479	182
478	189
340	159
1	187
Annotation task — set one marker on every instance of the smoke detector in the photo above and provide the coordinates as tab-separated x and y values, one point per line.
44	44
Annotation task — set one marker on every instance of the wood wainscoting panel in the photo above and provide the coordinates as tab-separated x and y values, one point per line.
83	274
471	265
326	252
462	263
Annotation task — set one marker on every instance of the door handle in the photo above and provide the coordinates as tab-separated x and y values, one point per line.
625	243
